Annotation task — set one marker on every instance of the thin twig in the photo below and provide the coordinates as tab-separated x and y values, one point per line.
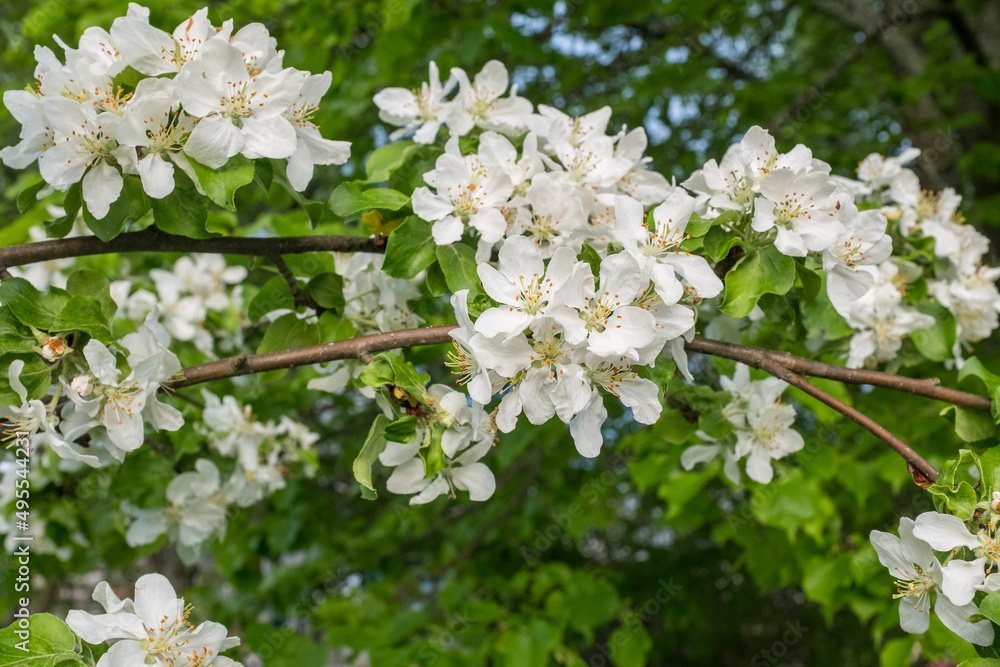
301	298
753	356
152	239
901	448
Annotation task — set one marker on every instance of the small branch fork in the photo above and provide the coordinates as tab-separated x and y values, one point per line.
780	364
152	239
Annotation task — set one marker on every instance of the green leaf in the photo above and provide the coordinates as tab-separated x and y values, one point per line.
14	336
50	644
458	262
327	289
435	281
36	376
71	204
718	242
591	257
387	159
937	341
87	282
31	307
288	332
349	199
131	204
971	425
698	226
184	211
27	197
975	368
374	445
222	183
314	209
85	313
388	368
764	272
273	295
402	430
410	249
335	326
990	607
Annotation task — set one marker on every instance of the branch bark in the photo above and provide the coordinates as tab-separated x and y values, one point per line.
756	356
353	348
786	366
152	239
901	448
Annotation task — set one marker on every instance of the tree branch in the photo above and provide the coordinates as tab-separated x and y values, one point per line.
152	239
301	298
353	348
755	356
901	448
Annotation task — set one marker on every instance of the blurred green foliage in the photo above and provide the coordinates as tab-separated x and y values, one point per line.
625	559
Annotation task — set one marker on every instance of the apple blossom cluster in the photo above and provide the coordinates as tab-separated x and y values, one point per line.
559	191
203	93
152	629
560	336
466	432
198	501
196	286
793	199
961	282
920	575
112	410
762	429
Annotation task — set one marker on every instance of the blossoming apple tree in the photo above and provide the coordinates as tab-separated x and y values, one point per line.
498	264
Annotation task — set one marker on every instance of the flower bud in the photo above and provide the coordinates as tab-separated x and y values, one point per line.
82	384
53	348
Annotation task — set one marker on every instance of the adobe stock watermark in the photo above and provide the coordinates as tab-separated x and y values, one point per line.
595	488
794	631
21	555
634	620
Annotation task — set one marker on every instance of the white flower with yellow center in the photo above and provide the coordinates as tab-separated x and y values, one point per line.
919	574
422	109
152	630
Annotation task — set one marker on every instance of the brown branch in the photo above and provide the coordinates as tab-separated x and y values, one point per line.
353	348
915	460
755	356
152	239
301	298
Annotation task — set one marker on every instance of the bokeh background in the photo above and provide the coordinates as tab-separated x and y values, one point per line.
622	560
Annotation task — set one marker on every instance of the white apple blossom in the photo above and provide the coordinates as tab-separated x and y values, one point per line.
527	290
84	143
767	436
658	251
239	112
34	418
151	630
918	573
962	579
863	242
469	193
310	146
424	109
803	208
152	51
195	512
154	123
478	103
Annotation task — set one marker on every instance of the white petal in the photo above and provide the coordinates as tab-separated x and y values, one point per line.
475	478
956	618
213	141
961	580
943	532
101	187
157	176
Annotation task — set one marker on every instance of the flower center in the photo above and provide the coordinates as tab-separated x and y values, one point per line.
120	399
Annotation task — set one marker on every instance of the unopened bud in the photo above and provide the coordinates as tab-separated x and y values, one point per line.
82	385
53	348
